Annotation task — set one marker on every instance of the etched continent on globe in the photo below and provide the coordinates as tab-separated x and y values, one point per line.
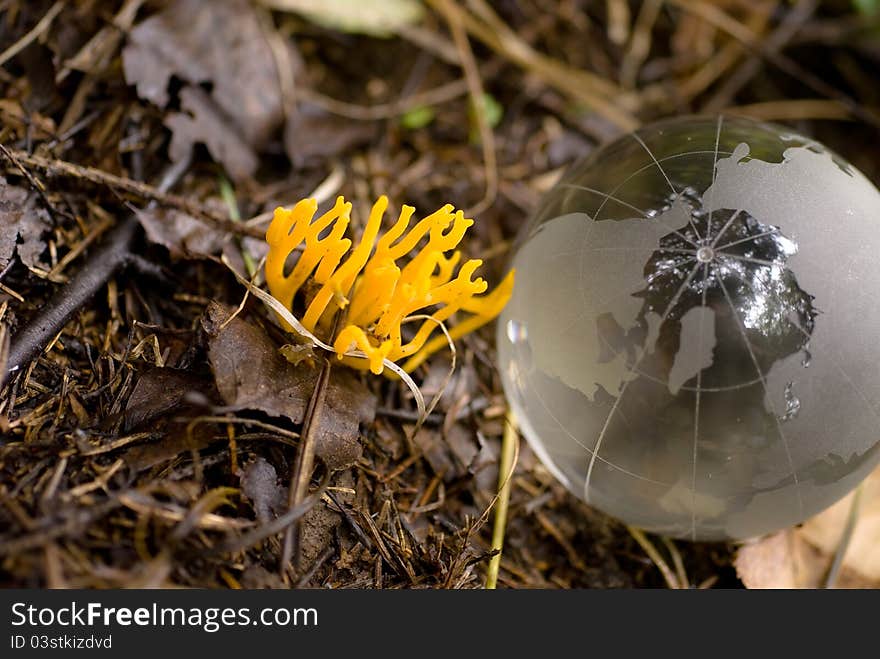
690	344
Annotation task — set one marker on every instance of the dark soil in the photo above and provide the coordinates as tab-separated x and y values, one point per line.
148	440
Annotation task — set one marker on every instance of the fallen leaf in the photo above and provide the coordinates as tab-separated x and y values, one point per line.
824	530
220	43
183	235
250	373
451	453
159	391
203	122
176	439
773	562
256	576
320	523
375	17
801	557
259	484
22	225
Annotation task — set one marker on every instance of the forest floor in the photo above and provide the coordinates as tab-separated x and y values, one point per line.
152	437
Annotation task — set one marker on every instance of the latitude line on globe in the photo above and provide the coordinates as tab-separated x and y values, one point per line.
564	429
632	176
644	215
671	187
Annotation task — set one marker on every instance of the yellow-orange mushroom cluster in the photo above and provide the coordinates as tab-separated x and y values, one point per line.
374	292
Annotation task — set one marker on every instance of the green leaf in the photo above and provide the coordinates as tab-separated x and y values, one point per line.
374	17
494	112
418	117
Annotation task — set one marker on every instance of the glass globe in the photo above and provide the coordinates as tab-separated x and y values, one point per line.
692	342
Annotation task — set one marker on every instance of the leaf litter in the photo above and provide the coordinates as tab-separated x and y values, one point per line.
251	374
803	557
120	443
23	225
220	44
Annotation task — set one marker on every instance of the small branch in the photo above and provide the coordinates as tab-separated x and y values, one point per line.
845	539
668	575
142	190
110	256
301	475
477	94
33	34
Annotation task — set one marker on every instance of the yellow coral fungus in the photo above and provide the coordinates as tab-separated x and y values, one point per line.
376	293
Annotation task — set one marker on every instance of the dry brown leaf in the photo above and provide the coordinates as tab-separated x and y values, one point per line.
260	485
22	225
220	43
801	557
250	373
863	554
158	392
202	121
183	235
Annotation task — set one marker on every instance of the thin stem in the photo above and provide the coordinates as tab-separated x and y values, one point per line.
845	539
505	471
668	575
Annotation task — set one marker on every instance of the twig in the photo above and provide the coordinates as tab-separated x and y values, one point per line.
680	572
640	537
275	526
639	43
508	449
33	34
592	90
301	474
441	94
717	17
459	560
794	110
791	23
475	89
142	190
111	255
845	538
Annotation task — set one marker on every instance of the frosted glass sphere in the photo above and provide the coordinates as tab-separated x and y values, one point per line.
693	341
